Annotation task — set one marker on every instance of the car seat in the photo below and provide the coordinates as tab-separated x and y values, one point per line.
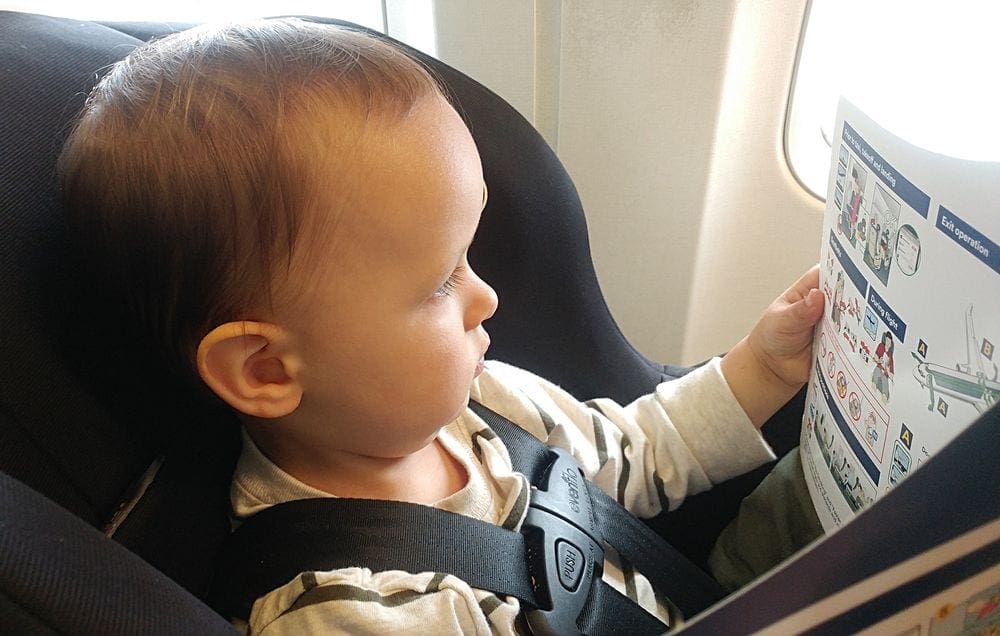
89	447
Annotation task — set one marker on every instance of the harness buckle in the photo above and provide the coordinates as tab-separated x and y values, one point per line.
565	547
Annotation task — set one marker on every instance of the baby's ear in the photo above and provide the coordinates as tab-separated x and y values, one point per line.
252	366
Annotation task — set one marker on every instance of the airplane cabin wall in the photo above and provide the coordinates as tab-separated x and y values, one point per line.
760	228
638	104
670	118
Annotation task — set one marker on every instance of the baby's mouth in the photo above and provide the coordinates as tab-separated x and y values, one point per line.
482	358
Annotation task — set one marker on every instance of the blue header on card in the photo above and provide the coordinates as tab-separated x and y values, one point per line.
974	241
852	441
887	315
899	184
852	270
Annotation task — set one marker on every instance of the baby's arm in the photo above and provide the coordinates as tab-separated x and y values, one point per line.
681	439
767	368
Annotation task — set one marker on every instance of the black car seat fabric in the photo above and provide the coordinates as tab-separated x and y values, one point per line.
84	573
78	419
81	419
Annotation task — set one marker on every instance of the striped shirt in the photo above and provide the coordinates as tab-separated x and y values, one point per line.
679	440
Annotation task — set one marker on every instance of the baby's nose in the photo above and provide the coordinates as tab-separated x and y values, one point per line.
483	303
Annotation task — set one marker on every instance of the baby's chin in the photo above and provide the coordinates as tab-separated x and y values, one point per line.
460	408
463	401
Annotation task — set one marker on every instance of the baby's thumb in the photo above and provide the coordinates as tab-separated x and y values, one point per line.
810	309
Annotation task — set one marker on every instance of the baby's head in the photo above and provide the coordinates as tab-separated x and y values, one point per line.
284	208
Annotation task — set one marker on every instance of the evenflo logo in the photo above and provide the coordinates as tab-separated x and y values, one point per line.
571	477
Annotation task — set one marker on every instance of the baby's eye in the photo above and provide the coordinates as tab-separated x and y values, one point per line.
453	281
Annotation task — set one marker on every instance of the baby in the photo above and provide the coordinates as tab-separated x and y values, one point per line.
287	208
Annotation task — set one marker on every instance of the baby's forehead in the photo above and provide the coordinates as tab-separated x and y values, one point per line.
391	182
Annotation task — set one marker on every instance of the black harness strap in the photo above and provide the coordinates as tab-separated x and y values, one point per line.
553	566
275	545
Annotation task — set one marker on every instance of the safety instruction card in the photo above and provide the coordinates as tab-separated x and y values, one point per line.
906	355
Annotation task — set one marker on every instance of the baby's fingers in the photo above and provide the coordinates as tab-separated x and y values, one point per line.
794	320
801	288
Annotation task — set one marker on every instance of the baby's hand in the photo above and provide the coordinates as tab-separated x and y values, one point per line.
765	369
782	338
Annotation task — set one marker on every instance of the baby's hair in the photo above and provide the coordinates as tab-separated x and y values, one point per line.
189	172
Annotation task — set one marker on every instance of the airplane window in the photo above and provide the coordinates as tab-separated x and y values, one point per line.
920	69
411	21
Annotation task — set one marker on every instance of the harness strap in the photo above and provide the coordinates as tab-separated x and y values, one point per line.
276	545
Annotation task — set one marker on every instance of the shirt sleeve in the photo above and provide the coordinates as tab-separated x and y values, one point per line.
681	439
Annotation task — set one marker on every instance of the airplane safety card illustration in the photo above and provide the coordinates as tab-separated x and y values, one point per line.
905	356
